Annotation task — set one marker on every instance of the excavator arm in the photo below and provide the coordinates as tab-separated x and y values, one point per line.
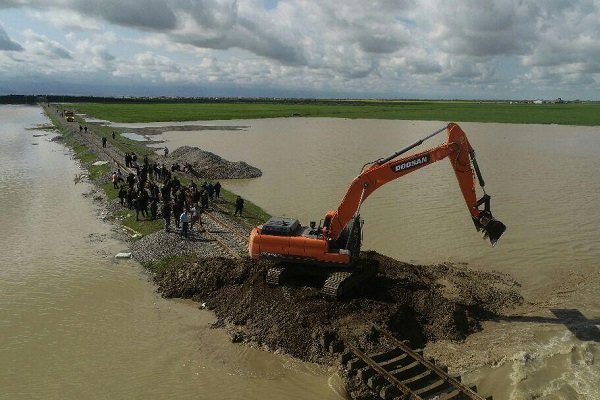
462	157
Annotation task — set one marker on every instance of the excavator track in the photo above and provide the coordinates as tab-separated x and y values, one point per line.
340	284
335	284
275	276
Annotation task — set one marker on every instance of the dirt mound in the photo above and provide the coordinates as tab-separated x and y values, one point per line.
210	166
419	303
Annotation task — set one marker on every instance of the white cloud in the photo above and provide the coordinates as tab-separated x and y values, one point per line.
382	46
67	20
45	47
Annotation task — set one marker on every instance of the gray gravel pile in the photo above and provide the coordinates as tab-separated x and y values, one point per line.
210	166
162	244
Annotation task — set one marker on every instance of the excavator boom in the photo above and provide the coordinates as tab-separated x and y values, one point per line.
462	157
337	241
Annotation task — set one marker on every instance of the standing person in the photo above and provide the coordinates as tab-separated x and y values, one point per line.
115	179
130	196
194	216
195	196
204	199
165	211
239	206
130	180
137	204
165	192
85	128
166	151
184	219
211	190
177	209
144	201
153	209
127	160
113	135
217	189
122	194
103	142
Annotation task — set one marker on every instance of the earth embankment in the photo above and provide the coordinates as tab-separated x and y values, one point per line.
419	303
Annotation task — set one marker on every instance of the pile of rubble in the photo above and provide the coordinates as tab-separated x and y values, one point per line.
208	165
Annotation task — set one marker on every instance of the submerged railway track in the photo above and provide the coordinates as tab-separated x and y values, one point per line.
398	371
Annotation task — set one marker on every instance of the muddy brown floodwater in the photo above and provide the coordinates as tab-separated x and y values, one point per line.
76	324
544	181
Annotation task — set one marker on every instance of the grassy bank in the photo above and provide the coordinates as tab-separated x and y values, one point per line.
253	214
502	112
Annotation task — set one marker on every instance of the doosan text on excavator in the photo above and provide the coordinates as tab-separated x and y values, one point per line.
334	244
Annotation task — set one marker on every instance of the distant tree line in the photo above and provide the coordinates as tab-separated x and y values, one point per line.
34	99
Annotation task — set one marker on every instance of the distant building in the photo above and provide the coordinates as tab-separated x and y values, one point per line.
537	101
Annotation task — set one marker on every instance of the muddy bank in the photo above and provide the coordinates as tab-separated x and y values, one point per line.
211	166
420	303
159	130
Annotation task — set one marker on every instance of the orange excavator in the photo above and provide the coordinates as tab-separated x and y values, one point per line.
336	241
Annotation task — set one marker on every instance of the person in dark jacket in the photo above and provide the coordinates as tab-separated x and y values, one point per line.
177	210
153	209
137	204
239	206
204	199
122	194
165	211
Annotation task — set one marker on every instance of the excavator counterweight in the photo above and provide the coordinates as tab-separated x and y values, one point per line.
336	241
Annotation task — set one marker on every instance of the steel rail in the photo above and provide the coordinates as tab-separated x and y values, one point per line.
451	388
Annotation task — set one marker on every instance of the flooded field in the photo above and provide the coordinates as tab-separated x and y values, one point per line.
74	323
544	181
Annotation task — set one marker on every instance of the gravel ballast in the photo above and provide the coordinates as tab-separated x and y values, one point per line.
210	166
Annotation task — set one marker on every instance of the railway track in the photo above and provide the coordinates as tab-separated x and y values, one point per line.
229	238
217	228
399	372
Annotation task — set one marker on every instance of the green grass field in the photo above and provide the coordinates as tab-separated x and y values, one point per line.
465	111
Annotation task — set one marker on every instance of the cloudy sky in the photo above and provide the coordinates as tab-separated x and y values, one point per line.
517	49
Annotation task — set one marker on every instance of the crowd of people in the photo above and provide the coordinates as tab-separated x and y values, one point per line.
153	185
154	191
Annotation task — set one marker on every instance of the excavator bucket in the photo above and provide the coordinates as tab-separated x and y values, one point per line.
492	228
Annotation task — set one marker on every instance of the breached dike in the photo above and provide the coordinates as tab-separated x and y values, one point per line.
210	166
420	303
